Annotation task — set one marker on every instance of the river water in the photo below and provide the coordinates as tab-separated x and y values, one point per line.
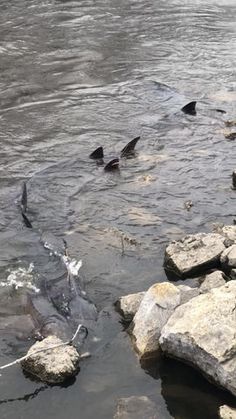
77	75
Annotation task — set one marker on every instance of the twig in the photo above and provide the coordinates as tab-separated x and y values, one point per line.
57	345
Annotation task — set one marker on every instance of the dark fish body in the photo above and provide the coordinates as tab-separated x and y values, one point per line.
26	220
23	202
112	165
97	154
128	150
190	108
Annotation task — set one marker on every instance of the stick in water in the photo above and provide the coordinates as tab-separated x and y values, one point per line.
70	342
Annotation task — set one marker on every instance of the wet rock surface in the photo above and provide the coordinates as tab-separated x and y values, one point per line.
194	254
52	365
202	332
136	407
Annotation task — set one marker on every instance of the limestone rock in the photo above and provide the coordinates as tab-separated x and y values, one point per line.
229	231
213	280
155	309
228	258
52	365
129	304
227	412
202	332
194	254
136	408
186	293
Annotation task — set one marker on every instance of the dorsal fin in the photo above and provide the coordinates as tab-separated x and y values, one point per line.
190	108
112	165
26	220
23	202
129	148
97	154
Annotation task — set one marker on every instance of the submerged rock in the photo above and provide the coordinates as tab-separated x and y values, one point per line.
213	280
129	304
52	365
194	254
155	309
202	332
226	412
136	408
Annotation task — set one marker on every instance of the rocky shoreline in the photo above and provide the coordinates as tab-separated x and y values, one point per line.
196	325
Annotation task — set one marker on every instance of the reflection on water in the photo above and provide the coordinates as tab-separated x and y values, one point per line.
78	75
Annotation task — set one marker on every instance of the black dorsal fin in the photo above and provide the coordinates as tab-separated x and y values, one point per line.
23	202
97	154
26	220
129	148
190	108
112	165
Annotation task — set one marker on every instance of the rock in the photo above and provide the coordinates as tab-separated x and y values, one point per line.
213	280
194	254
136	408
129	304
226	412
229	232
228	258
229	134
202	333
233	274
186	293
155	309
52	365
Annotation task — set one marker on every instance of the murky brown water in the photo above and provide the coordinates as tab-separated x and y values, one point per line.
76	75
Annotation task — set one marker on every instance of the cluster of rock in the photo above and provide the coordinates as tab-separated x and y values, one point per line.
196	325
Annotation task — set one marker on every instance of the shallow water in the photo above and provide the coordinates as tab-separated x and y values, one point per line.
76	75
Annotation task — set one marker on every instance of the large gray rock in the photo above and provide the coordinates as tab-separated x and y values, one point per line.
155	309
213	280
136	408
129	304
194	254
228	258
202	332
227	412
52	365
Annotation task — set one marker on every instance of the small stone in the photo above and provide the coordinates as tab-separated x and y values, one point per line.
136	408
226	412
229	232
52	365
128	305
230	135
213	280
